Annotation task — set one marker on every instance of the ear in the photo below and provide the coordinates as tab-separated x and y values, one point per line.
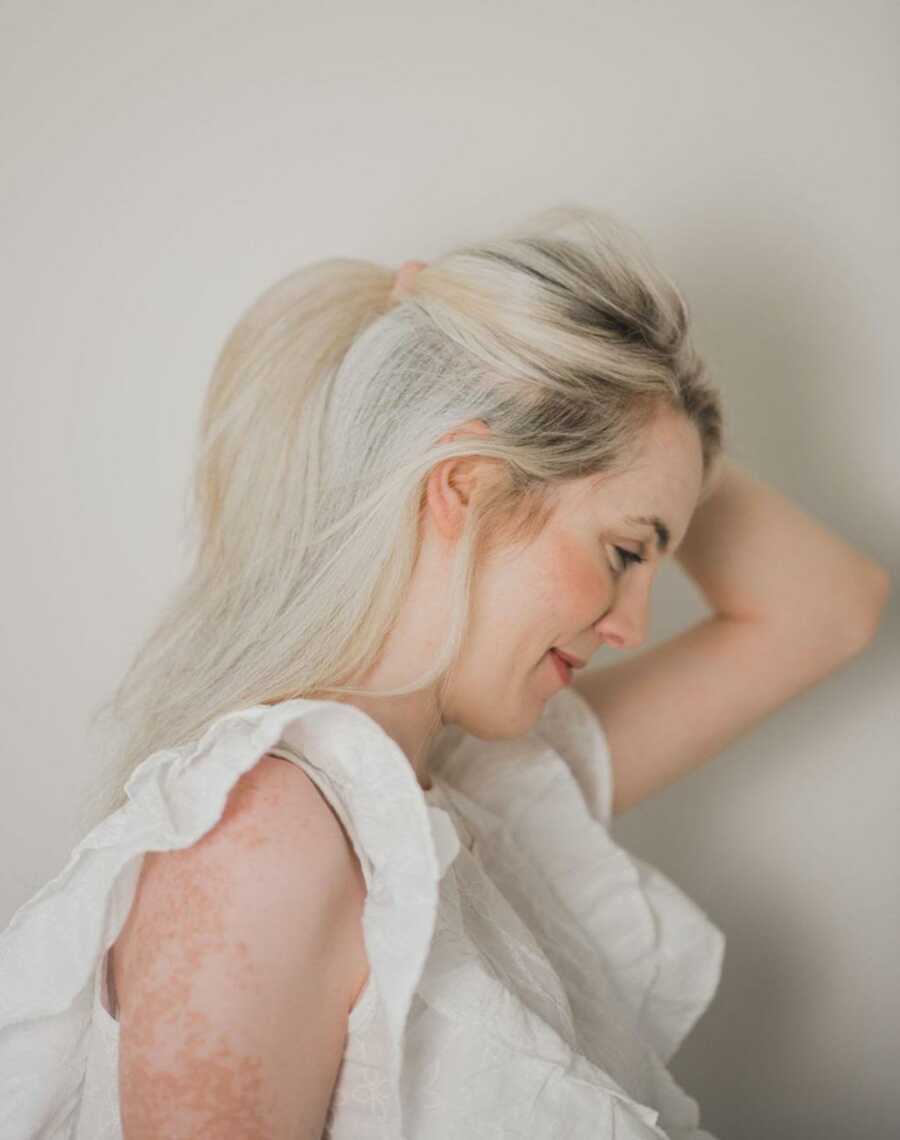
452	482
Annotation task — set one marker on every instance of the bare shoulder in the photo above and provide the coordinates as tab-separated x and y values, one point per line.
275	809
241	954
277	838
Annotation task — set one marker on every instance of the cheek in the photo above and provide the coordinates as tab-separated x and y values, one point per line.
578	582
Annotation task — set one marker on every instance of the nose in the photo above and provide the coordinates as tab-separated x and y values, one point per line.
624	624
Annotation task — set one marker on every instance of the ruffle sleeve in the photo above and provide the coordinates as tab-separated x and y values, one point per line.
604	917
686	949
574	731
50	951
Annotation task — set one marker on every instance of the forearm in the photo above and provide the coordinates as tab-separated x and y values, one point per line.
755	554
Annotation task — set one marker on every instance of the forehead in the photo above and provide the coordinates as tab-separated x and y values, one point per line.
664	479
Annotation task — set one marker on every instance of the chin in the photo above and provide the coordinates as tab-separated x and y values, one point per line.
489	724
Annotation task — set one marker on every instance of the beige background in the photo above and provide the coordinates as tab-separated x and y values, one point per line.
162	163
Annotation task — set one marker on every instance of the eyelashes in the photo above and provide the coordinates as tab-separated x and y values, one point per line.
628	557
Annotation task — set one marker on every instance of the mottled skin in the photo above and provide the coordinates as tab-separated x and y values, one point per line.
237	967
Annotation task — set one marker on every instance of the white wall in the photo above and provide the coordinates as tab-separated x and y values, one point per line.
162	163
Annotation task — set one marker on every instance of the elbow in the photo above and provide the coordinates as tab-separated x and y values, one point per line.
870	613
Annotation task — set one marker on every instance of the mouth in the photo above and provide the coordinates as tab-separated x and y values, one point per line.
575	662
562	666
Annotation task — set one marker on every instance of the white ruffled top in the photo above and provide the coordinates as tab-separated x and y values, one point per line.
528	977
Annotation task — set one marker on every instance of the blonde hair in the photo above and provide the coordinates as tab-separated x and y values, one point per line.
320	426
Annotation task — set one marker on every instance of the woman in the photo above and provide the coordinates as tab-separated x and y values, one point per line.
361	882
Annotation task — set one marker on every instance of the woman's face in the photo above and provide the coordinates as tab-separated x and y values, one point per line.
576	585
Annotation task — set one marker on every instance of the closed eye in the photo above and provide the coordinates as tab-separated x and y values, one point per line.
628	557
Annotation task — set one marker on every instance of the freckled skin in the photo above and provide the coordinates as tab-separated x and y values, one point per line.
218	1084
561	588
557	589
564	588
217	1081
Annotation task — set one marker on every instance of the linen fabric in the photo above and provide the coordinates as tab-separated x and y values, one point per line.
528	976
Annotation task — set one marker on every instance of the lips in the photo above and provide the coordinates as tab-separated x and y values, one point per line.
575	662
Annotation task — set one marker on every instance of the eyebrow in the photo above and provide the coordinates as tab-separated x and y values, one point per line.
662	531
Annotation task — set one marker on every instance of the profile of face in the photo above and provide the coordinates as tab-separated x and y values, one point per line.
584	581
577	585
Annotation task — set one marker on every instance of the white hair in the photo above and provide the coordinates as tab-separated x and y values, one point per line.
322	421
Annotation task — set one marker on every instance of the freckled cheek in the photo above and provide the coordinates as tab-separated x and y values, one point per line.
581	585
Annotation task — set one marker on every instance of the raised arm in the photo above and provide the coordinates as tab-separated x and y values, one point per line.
791	602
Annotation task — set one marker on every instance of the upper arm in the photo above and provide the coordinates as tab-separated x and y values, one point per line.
675	706
237	966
